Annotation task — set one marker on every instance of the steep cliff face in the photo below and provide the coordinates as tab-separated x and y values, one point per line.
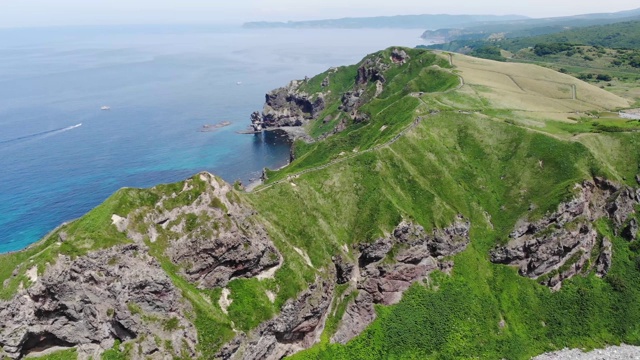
383	282
92	301
211	236
292	106
123	294
298	327
288	106
566	243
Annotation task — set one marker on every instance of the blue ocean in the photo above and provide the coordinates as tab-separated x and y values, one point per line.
61	155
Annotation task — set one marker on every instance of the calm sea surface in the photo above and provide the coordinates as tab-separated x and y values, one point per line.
60	155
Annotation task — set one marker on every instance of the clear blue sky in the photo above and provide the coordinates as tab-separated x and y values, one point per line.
19	13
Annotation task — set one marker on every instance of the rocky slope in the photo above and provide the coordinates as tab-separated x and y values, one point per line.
566	243
293	106
383	282
92	301
211	236
298	327
288	106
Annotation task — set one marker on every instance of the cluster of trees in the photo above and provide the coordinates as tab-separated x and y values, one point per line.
552	48
598	77
630	57
490	52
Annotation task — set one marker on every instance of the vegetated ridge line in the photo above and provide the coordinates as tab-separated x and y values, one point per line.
344	158
351	156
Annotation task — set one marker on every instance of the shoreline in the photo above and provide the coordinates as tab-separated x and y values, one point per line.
42	239
293	132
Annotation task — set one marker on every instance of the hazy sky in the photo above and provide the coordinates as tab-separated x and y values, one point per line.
89	12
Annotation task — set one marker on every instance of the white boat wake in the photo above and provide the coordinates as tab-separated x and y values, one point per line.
40	134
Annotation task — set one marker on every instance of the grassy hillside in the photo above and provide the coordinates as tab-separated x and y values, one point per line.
448	135
623	35
607	55
532	27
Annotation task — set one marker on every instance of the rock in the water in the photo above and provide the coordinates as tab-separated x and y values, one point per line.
92	301
560	246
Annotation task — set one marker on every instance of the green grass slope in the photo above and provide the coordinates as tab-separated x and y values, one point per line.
473	137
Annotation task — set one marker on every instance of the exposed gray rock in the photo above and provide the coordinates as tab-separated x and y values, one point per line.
87	303
622	352
298	327
399	56
630	232
325	82
371	70
560	245
604	260
352	100
224	242
288	106
383	282
372	252
344	270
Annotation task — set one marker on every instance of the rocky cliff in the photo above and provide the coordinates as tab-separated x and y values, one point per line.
383	282
211	236
293	106
122	294
92	301
288	106
298	327
566	243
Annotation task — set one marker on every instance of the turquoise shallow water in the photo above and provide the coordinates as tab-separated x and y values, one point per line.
162	84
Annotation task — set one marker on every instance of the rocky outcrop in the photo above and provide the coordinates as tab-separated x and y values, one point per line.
563	244
380	281
399	56
288	106
212	238
92	301
344	270
372	70
298	327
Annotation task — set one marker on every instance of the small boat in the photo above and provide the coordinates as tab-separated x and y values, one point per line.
105	108
239	83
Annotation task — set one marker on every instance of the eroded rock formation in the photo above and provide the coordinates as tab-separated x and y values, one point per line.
384	282
566	243
298	327
213	238
92	301
288	106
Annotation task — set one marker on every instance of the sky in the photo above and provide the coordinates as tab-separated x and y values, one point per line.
28	13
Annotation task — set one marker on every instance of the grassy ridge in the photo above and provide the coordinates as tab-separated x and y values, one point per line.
476	152
472	166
